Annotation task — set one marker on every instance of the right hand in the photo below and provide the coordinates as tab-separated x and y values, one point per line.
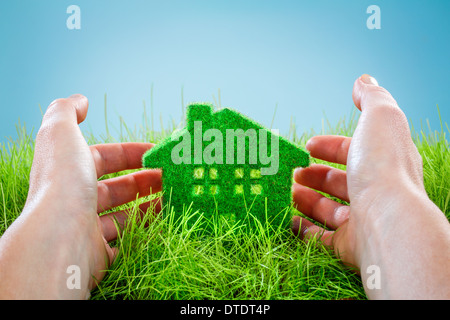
388	221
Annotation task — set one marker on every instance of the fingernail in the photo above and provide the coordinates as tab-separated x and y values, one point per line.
299	169
76	96
308	144
369	80
303	232
297	172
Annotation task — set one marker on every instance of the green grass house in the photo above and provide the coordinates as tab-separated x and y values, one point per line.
223	163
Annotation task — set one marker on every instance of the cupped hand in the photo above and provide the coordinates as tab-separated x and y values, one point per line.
381	159
390	223
60	225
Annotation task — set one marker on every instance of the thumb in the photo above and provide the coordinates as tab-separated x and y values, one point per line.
367	94
72	108
381	147
381	116
60	148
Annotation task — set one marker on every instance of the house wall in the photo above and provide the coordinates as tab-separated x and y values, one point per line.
230	191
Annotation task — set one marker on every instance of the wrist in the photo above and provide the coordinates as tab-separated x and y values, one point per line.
44	256
390	236
381	201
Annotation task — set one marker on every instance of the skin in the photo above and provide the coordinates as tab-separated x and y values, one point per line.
390	223
60	225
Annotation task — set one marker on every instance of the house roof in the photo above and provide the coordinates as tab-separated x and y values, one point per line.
202	114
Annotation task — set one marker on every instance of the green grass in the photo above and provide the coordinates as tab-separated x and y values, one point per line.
166	259
170	260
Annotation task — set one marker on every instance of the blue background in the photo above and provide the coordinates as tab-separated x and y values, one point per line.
302	56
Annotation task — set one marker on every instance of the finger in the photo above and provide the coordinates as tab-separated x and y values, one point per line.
61	120
318	207
117	191
116	157
337	240
59	144
367	94
381	116
329	148
81	105
323	178
114	222
73	108
382	129
113	254
307	230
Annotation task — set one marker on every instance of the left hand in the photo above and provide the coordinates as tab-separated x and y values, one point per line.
60	225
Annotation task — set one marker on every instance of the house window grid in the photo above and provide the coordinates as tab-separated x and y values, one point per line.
252	186
203	176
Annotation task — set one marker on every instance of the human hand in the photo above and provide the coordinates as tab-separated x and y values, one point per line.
60	225
390	217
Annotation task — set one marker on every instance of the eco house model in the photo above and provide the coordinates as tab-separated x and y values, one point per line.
224	163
